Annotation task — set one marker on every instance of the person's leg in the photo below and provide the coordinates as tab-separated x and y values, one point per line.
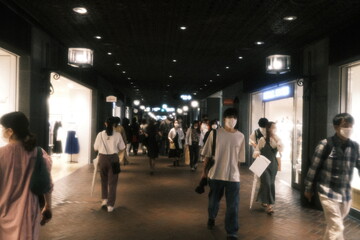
113	180
215	195
333	217
191	149
104	176
232	206
196	155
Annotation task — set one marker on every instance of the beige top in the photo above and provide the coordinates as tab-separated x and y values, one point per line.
19	207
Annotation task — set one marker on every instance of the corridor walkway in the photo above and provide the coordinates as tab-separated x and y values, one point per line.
165	206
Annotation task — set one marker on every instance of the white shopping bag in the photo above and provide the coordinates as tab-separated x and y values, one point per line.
259	165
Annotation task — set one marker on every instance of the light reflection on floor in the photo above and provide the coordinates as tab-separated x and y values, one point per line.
62	167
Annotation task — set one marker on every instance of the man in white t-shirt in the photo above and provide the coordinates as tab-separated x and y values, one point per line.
224	175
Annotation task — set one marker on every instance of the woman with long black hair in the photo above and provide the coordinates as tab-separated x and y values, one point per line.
109	143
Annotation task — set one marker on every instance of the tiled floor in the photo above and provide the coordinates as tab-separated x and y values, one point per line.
165	206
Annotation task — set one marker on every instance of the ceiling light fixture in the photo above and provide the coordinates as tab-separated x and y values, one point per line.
80	57
290	18
183	28
170	76
174	60
136	102
118	64
210	80
124	72
227	67
218	75
259	43
240	57
109	53
80	10
278	64
98	37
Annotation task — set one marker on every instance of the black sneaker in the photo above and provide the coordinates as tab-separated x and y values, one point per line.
211	223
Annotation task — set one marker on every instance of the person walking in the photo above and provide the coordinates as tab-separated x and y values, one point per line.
192	142
135	130
151	139
269	146
330	175
108	143
258	133
120	129
175	136
126	126
224	175
142	137
20	213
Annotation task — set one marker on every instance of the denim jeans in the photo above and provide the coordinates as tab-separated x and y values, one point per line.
217	188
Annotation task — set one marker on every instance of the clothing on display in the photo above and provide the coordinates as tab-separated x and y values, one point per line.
72	143
57	148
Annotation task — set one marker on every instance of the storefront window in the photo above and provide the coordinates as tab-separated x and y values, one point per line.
353	81
8	83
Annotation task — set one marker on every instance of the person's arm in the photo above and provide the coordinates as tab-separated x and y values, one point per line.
316	160
121	144
187	136
252	139
170	135
46	211
259	146
97	142
207	153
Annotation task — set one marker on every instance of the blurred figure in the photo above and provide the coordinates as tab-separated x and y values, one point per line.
269	146
258	133
135	130
175	136
152	134
164	128
126	126
20	212
213	126
120	129
108	143
143	126
192	141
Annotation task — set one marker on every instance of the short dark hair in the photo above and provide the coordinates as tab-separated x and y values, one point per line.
343	116
263	122
230	112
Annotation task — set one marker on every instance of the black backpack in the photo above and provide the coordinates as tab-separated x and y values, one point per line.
211	160
258	135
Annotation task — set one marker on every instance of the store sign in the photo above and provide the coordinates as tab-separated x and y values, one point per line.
228	101
111	99
277	93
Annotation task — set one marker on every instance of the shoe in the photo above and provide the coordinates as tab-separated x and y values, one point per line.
192	169
231	238
269	210
195	166
104	204
211	224
110	208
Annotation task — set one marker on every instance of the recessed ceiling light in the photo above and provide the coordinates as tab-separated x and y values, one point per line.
174	60
210	80
168	85
118	64
194	93
183	28
109	53
205	85
131	83
200	88
129	78
123	71
98	37
290	18
259	43
240	57
218	75
170	76
80	10
227	67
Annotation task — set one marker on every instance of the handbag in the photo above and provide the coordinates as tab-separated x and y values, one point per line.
115	165
40	182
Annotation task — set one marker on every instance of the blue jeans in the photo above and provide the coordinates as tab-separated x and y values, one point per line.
217	188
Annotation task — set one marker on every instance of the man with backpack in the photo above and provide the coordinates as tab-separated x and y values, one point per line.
224	175
330	175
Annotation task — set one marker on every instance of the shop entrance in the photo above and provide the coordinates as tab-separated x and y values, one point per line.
8	83
70	125
283	105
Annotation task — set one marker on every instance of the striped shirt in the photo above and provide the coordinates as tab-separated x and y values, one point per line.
335	171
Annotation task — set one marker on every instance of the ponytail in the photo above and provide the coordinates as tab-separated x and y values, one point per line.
29	142
110	126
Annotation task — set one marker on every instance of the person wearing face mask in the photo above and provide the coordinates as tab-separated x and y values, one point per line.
330	175
213	126
175	136
20	213
224	175
192	141
269	146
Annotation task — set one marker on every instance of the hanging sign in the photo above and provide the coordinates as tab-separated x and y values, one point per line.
278	93
228	101
111	99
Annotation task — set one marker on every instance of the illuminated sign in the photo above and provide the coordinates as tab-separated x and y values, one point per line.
278	93
185	97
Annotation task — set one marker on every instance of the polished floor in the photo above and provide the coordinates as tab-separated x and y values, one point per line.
165	206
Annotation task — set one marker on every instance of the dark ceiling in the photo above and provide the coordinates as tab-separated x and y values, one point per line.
144	36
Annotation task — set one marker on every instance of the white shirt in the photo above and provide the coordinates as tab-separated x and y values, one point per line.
180	133
229	152
275	142
114	144
252	137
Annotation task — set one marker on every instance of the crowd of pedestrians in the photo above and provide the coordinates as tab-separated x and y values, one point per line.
222	150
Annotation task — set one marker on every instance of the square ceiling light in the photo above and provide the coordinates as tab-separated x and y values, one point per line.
80	57
278	64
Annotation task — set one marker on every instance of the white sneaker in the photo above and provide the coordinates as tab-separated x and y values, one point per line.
104	204
110	208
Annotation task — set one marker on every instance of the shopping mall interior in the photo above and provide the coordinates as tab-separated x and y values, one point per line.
69	65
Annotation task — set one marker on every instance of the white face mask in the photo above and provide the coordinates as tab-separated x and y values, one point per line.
214	126
346	132
230	122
